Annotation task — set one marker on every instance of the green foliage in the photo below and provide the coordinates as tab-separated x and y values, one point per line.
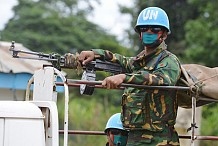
41	26
209	123
201	35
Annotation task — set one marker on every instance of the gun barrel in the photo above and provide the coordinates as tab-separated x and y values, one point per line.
29	52
35	58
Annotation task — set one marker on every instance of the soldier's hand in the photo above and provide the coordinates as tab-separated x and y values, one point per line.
86	56
113	82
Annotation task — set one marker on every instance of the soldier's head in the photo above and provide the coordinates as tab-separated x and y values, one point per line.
116	134
152	26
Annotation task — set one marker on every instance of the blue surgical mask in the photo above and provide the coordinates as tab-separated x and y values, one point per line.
148	38
120	140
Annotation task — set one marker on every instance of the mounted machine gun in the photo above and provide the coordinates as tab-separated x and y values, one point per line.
58	62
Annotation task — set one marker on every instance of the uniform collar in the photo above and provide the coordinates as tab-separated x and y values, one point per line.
156	52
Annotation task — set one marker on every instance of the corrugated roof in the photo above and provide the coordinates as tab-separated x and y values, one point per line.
8	64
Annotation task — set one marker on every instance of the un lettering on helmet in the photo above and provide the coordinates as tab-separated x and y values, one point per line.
149	14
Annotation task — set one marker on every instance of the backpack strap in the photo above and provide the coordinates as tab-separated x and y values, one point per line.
161	56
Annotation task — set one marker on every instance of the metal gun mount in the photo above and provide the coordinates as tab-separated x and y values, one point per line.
57	61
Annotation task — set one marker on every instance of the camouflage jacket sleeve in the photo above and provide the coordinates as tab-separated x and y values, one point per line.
125	62
167	72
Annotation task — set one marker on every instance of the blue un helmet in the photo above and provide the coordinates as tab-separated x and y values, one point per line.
114	127
114	122
152	16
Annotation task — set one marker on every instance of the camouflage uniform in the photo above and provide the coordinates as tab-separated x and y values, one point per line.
150	115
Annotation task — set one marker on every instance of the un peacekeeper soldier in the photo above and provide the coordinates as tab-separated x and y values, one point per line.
149	115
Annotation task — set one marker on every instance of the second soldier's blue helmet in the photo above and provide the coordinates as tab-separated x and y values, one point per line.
114	122
152	16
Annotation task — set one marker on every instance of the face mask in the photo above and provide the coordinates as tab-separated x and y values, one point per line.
148	38
120	140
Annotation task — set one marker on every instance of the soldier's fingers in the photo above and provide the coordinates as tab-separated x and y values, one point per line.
87	60
108	86
104	83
